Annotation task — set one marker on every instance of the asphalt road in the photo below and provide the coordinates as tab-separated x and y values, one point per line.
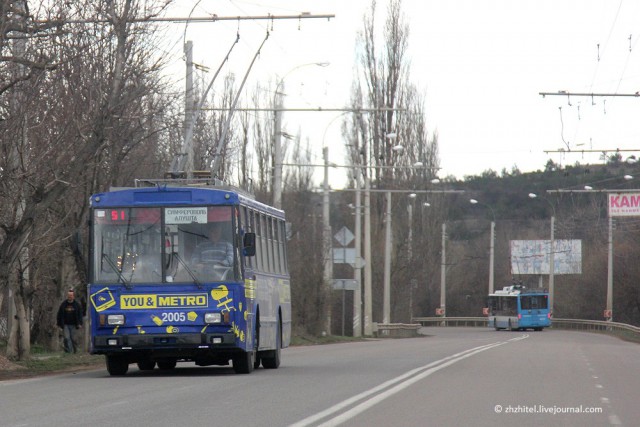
451	377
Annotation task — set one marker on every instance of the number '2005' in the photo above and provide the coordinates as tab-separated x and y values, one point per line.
173	317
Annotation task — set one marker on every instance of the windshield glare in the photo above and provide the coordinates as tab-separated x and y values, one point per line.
164	245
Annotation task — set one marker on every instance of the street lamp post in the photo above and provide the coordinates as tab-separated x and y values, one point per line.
443	272
491	244
412	281
357	270
386	297
277	135
326	236
386	306
552	250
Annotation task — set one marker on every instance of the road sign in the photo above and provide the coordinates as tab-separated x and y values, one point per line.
344	236
358	263
345	284
344	255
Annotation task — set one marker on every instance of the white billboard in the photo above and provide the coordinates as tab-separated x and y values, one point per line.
624	204
534	256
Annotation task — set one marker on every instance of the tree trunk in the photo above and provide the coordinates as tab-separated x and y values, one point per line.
19	342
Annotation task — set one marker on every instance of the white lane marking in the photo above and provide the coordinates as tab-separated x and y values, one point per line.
614	420
404	381
114	403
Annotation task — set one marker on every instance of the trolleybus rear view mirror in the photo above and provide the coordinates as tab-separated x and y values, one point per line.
249	244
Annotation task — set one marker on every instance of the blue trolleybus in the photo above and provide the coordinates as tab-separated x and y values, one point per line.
517	308
162	291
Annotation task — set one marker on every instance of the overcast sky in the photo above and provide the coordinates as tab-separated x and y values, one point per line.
481	64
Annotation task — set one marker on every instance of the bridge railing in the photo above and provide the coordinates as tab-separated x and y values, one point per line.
622	330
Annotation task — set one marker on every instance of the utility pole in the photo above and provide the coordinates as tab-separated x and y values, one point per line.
609	308
552	257
492	256
443	272
410	252
368	299
326	238
188	109
386	306
357	270
277	152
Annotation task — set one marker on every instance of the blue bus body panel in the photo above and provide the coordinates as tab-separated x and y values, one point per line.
534	319
174	196
159	316
164	196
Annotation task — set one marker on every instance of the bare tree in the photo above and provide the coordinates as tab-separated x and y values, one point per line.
76	124
398	120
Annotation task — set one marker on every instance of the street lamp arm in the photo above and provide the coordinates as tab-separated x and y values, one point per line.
277	134
535	196
281	81
475	202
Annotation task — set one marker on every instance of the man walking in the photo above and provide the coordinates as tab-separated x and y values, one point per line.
70	319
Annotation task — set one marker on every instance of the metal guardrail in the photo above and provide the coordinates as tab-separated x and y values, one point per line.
622	330
451	321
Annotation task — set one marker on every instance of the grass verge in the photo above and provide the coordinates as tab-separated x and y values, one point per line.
43	362
46	363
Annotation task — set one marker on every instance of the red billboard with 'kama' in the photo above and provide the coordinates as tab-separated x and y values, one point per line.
624	204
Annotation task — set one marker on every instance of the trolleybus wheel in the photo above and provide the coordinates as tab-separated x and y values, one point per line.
146	365
271	358
243	362
257	358
117	365
167	365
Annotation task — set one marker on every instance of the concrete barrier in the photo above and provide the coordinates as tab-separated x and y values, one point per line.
396	330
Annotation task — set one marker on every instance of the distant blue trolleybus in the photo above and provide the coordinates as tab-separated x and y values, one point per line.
153	302
518	308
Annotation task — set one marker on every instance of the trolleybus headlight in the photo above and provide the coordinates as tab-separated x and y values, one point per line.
213	318
115	319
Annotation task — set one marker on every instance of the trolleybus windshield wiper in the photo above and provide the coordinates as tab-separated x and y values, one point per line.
186	267
118	272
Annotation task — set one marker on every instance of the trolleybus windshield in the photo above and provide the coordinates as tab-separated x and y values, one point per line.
164	245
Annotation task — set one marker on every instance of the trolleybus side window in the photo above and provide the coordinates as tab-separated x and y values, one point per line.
273	246
281	246
246	228
266	259
251	221
276	245
259	236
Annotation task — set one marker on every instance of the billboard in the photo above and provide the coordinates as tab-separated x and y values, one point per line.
533	257
624	204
